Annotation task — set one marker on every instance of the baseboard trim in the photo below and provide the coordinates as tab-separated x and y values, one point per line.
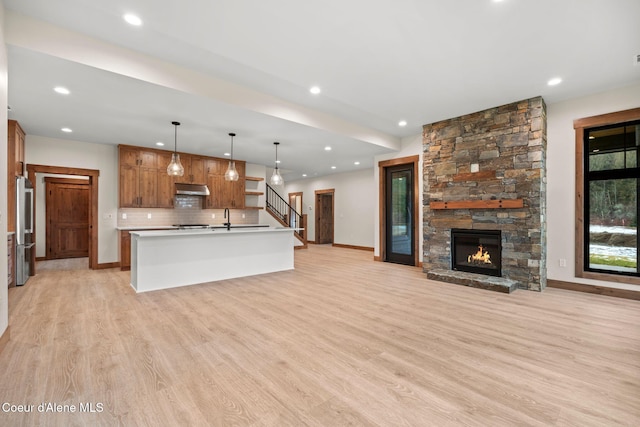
360	248
41	258
4	339
377	258
591	289
106	265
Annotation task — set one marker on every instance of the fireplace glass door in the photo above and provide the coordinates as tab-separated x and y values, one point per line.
476	251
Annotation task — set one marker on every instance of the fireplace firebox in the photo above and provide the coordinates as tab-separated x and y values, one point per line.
476	251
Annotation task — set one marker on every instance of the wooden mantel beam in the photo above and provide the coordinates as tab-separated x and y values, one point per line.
479	204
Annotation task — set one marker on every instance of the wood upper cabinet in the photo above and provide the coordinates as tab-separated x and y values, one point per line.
138	177
198	172
148	187
15	167
166	183
144	181
214	166
213	200
233	192
225	194
194	169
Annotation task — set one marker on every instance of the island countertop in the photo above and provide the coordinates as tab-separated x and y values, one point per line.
176	227
209	231
163	259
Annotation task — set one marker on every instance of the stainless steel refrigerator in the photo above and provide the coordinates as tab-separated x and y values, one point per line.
24	229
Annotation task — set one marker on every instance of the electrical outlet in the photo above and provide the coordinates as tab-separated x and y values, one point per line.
124	216
148	216
243	216
562	262
213	216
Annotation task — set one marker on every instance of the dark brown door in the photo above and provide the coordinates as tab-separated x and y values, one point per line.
399	227
324	216
67	202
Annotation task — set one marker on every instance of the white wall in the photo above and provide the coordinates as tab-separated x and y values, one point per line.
66	153
354	205
561	175
4	306
411	146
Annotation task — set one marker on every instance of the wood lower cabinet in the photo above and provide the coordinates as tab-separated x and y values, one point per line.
125	250
11	263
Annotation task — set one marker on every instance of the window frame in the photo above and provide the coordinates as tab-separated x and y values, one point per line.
580	125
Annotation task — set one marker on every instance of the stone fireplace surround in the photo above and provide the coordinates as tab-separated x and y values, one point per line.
477	160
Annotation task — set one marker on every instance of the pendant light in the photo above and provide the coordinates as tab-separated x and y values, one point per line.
231	174
276	178
175	168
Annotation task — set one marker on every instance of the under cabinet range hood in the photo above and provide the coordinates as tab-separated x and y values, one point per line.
191	189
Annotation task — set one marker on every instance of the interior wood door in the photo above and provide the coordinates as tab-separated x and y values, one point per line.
67	216
324	216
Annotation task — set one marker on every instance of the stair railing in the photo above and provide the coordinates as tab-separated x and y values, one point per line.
283	212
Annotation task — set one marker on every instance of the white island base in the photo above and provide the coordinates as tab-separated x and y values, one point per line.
164	259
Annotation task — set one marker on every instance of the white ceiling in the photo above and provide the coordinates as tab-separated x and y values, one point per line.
377	63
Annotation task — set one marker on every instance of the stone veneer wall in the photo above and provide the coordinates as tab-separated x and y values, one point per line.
511	141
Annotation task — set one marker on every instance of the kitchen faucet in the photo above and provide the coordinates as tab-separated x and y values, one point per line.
227	216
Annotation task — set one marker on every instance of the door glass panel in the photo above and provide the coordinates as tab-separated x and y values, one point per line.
613	225
401	236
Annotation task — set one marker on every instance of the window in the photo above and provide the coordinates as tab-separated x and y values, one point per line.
607	188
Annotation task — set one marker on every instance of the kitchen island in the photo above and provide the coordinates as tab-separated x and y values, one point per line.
163	259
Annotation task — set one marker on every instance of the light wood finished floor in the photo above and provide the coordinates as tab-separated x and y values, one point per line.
342	340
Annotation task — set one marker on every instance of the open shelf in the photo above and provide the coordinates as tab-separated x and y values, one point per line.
253	178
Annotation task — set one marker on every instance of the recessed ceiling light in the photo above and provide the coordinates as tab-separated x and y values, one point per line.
554	81
402	123
61	90
333	167
356	163
592	137
160	144
315	90
133	19
227	154
66	130
327	148
304	175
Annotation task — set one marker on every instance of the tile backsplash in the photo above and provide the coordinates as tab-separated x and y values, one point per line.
188	210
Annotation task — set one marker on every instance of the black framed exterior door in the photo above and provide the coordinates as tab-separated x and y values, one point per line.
399	226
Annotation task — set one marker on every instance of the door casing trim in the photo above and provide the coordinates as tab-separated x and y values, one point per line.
382	166
93	175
